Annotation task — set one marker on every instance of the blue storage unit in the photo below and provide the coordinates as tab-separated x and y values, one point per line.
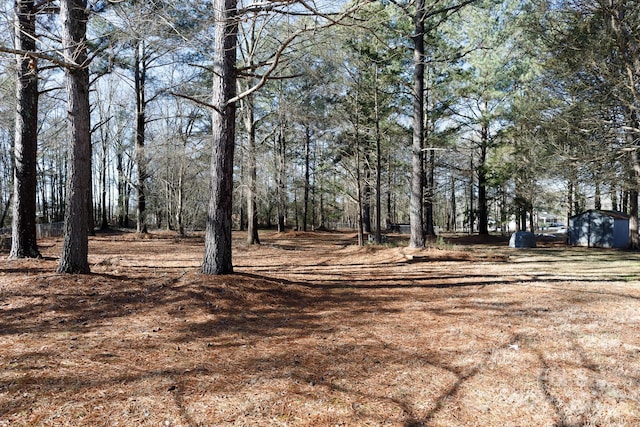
599	229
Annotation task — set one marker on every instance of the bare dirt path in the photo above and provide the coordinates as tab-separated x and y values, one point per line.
313	331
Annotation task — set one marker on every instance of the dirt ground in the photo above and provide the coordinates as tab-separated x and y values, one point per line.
314	331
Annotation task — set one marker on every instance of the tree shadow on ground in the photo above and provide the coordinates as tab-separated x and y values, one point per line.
396	346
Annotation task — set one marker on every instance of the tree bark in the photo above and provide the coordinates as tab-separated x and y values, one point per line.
75	247
281	177
452	205
5	210
471	210
307	175
378	218
430	194
104	223
430	158
634	236
416	218
483	205
390	218
634	226
24	242
598	197
140	78
180	190
359	200
121	213
217	253
366	191
252	206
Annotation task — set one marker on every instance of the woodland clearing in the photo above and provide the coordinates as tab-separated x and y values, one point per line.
315	331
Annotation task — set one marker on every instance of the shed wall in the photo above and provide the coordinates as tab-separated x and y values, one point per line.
621	234
596	229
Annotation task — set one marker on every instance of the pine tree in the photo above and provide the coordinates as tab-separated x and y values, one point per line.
75	247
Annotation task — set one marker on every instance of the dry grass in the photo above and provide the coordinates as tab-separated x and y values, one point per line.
313	331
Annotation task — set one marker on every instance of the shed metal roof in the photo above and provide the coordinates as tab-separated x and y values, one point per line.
612	214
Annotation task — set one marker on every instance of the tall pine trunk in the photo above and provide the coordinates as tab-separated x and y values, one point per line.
252	206
483	204
376	112
24	242
140	78
104	222
307	176
390	218
366	190
122	184
75	247
452	206
634	226
281	176
217	252
416	218
360	216
180	191
430	192
429	159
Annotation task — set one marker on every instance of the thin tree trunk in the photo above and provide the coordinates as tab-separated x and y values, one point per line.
180	195
140	77
471	219
614	197
634	236
453	207
430	193
295	208
634	227
121	188
504	212
532	222
252	206
62	188
75	247
570	211
429	179
307	183
5	210
366	195
416	217
282	178
217	254
389	182
128	189
103	184
359	201
483	206
242	226
378	220
91	225
24	242
41	178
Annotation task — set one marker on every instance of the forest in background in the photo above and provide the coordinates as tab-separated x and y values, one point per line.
520	108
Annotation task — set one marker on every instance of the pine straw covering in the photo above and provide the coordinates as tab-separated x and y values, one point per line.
313	331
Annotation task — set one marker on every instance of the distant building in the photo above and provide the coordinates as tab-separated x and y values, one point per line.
547	221
599	229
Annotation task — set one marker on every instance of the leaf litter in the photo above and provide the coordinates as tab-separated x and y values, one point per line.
315	331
